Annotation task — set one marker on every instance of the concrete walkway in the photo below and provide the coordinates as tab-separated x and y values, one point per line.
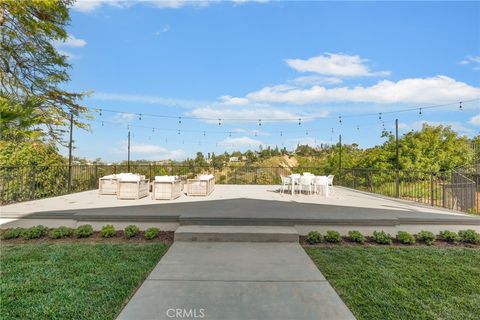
232	280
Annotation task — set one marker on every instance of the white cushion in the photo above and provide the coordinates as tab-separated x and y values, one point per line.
165	178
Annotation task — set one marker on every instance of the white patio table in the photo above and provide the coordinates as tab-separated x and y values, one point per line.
295	180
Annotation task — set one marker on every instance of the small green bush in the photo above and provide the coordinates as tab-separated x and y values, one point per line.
381	237
405	237
314	237
449	236
356	236
469	236
60	232
108	231
151	233
333	236
34	232
426	236
83	231
12	233
131	231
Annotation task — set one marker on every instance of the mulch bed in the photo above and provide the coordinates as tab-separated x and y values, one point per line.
96	237
395	243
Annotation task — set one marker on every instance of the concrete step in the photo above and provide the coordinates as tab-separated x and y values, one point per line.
236	233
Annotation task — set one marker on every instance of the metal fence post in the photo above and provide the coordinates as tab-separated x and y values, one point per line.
432	191
33	183
96	176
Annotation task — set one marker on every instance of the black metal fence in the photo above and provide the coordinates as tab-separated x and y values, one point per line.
450	190
454	190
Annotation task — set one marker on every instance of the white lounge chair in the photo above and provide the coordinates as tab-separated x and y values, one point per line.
107	184
131	186
202	186
166	188
321	183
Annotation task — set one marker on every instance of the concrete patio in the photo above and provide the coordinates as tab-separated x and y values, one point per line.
260	205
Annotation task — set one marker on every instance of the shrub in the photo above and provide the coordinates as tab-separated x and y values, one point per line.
131	231
426	236
449	236
151	233
314	237
469	236
381	237
34	232
84	231
60	232
108	231
405	237
356	236
12	233
333	236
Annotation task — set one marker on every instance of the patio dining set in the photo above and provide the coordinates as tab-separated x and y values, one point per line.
307	183
130	186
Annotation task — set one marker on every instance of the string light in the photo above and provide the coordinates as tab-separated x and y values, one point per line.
100	112
306	133
204	134
179	120
281	133
178	131
420	111
140	116
339	120
379	116
299	121
219	122
259	122
460	106
102	124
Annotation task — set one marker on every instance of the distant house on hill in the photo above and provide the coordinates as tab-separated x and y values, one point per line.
233	159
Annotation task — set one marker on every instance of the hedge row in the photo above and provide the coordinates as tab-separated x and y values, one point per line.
83	231
381	237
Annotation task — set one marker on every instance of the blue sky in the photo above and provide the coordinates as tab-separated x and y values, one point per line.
268	63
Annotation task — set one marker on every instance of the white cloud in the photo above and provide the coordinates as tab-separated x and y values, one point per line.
92	5
472	60
233	100
439	89
475	120
176	4
149	151
240	142
335	64
249	113
314	80
148	99
70	42
164	29
124	117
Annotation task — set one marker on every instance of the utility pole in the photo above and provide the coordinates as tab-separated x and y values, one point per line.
397	178
128	159
70	147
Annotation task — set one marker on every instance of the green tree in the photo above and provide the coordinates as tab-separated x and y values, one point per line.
30	66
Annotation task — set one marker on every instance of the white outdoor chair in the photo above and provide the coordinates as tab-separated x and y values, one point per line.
286	182
330	182
307	174
321	183
295	181
306	184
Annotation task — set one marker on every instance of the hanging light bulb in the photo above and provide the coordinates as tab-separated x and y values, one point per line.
179	120
358	128
339	120
255	133
306	133
204	133
178	131
153	129
102	123
460	106
219	122
229	134
420	111
140	116
379	116
100	112
259	122
299	121
281	133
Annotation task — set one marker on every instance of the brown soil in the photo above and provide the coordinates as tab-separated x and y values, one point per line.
395	243
96	237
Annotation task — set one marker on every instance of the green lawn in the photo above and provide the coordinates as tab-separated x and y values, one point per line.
72	281
404	283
